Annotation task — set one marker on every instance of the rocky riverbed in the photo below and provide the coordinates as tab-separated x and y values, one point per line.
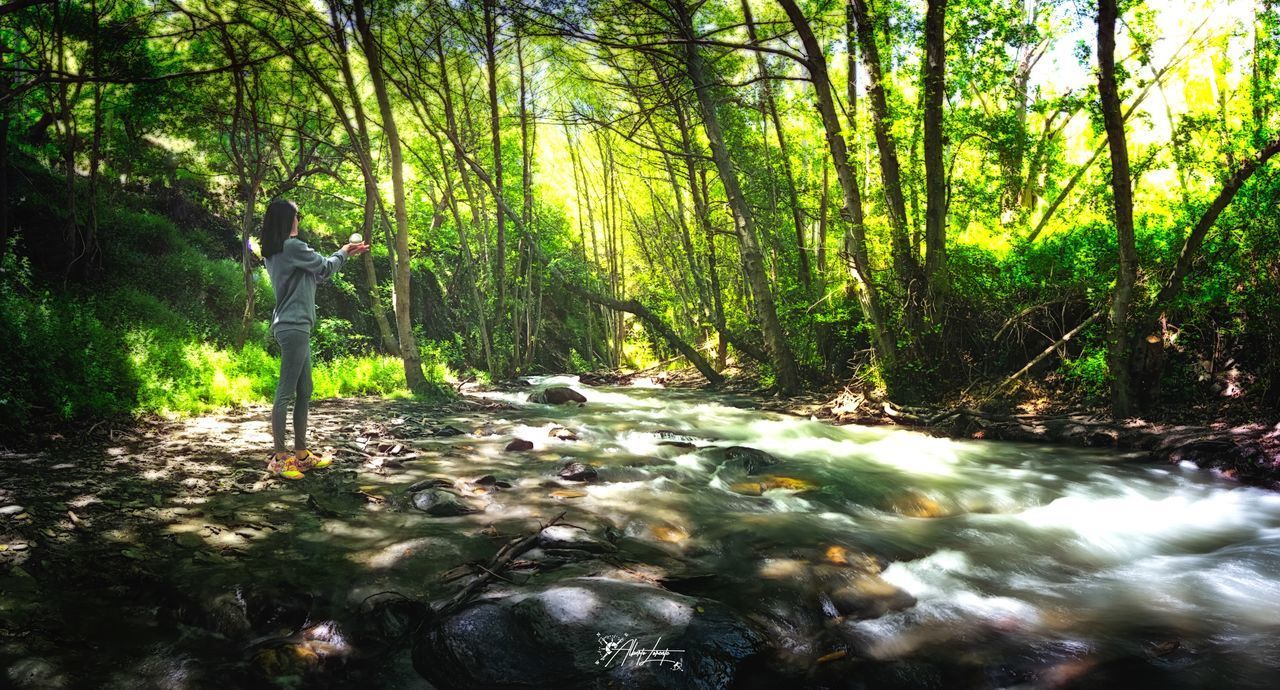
560	534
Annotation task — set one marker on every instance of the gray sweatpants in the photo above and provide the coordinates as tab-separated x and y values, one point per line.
295	380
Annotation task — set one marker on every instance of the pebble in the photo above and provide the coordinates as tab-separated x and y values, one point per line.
11	510
18	547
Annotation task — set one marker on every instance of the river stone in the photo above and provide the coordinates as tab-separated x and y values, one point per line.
520	444
440	503
550	637
35	672
750	459
557	395
429	483
11	510
570	537
578	472
562	434
870	596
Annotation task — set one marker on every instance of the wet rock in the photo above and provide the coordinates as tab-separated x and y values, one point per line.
562	434
578	472
674	436
751	460
447	431
34	673
553	637
756	488
869	596
685	445
570	537
520	444
11	510
916	504
567	493
429	483
286	659
670	534
441	503
557	395
487	480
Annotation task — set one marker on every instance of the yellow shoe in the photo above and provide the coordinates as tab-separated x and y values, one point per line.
309	461
284	464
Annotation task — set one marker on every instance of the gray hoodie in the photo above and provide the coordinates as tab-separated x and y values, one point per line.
294	272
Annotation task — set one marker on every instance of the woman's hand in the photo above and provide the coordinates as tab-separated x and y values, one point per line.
355	248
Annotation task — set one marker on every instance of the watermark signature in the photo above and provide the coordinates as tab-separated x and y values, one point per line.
624	649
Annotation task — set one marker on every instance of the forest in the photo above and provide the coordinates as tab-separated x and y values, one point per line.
1054	221
924	204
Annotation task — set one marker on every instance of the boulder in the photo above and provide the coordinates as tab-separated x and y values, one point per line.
571	537
562	434
440	503
557	395
869	596
751	460
578	472
520	444
577	632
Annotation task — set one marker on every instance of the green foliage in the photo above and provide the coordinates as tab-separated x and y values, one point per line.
1089	374
577	363
62	360
332	338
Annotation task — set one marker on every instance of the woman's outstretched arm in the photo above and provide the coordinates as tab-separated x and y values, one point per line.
301	255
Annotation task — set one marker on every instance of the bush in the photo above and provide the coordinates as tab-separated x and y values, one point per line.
61	360
334	338
1089	373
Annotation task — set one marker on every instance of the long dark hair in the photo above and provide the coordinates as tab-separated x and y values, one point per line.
276	226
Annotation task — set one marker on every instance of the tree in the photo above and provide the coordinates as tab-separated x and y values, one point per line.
409	353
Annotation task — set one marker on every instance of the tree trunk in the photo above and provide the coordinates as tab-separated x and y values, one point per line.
766	97
786	374
246	259
904	261
451	125
526	211
579	191
386	335
409	353
495	133
1121	186
933	79
856	240
372	197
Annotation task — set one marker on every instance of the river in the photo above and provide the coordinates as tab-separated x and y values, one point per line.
870	556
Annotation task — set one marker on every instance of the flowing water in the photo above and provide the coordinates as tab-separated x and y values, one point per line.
1064	553
974	564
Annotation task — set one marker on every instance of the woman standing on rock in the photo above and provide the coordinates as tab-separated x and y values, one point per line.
294	269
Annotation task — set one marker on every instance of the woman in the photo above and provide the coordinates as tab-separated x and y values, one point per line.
294	269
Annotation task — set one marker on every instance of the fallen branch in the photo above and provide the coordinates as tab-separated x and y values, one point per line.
500	560
1047	351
